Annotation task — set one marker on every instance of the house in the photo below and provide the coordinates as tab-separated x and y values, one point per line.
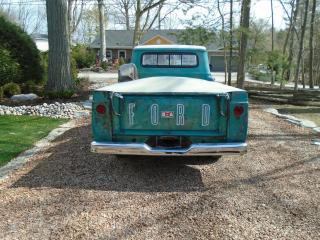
119	44
41	41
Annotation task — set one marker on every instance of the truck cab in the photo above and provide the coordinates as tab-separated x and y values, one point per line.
168	104
173	60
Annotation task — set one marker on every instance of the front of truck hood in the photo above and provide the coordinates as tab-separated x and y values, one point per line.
170	85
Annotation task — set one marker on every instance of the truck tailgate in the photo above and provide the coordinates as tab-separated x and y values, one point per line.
179	115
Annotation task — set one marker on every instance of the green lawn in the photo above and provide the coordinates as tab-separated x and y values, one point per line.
18	133
309	113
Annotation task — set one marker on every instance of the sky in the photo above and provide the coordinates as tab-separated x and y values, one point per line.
259	9
262	9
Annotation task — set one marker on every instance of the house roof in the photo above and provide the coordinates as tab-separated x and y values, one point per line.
123	38
41	41
39	36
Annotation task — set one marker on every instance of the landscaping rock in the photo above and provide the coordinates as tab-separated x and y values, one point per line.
316	142
56	110
24	97
308	123
87	104
317	129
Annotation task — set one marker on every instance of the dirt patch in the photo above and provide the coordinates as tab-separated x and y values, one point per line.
272	192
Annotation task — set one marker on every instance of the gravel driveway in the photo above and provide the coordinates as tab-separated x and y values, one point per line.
272	192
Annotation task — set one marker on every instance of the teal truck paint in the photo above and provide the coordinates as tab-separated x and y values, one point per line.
173	108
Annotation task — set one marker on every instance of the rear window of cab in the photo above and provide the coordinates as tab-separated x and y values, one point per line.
169	60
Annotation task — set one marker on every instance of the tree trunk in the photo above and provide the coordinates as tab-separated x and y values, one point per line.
140	11
69	13
311	45
303	29
59	70
303	79
290	55
127	17
224	45
136	30
272	38
289	30
244	26
231	40
272	27
102	54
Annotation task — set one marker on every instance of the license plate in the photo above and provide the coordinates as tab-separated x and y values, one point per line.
167	114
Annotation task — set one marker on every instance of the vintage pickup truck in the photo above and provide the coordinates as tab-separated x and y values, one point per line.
168	104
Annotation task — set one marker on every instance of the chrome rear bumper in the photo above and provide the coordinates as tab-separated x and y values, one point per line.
200	149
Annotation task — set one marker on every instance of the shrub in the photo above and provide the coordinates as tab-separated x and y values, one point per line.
276	61
81	80
74	70
83	56
29	87
60	94
1	92
44	61
9	69
11	89
22	49
104	65
121	61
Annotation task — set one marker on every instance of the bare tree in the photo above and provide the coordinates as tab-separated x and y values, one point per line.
102	54
311	44
230	43
291	41
224	42
272	39
125	6
290	18
59	72
299	56
40	18
244	28
285	45
272	26
29	17
122	12
89	25
75	11
144	10
23	15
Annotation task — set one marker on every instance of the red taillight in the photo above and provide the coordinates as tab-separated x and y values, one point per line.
238	111
101	109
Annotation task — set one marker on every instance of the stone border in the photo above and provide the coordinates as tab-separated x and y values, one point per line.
68	110
43	144
296	121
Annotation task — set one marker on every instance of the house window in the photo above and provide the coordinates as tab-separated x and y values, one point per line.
122	54
109	54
